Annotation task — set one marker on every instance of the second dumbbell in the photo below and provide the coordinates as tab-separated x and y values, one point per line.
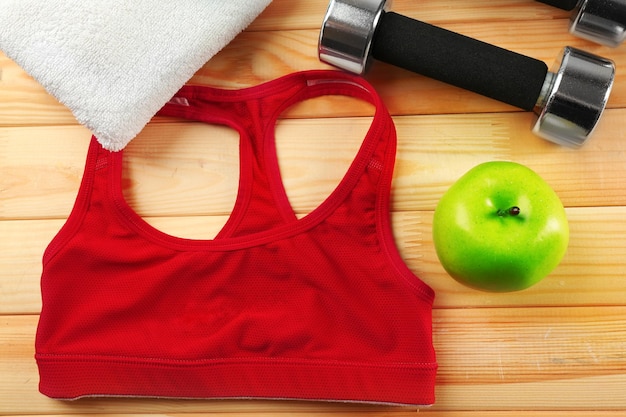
601	21
568	101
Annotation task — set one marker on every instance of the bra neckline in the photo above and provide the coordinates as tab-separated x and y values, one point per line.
326	84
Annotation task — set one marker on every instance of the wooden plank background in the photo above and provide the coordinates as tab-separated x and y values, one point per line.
557	349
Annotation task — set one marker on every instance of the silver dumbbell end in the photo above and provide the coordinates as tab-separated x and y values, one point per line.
601	21
573	98
348	33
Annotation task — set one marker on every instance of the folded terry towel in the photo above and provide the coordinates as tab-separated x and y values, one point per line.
115	63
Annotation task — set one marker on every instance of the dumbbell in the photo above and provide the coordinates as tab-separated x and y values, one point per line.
601	21
568	101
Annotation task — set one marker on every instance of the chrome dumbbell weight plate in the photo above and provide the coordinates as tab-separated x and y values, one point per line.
574	98
348	32
601	21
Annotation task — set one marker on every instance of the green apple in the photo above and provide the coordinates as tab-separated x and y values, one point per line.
500	228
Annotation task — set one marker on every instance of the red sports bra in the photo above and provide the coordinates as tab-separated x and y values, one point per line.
318	308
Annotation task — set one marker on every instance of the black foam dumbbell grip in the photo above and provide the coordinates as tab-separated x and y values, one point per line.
459	60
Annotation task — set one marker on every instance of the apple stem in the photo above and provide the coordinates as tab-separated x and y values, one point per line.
512	211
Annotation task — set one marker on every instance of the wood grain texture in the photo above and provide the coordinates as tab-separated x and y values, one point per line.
592	272
370	413
485	355
167	167
557	349
301	14
255	57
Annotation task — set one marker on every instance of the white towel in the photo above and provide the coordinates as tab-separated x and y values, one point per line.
115	63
